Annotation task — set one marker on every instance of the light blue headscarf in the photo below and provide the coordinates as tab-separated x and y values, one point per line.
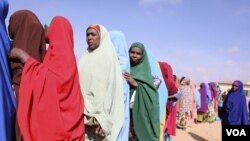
121	48
198	98
7	98
162	90
48	21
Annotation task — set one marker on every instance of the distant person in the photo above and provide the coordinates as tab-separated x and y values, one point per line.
102	86
144	100
193	116
198	100
212	105
186	100
220	105
169	128
51	103
217	89
7	98
234	106
203	108
178	94
119	41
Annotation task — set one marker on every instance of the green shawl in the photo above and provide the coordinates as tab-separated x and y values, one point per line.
146	104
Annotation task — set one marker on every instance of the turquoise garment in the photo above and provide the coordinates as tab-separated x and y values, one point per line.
48	21
119	41
7	98
198	98
162	90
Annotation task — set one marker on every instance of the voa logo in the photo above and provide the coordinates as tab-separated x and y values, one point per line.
236	132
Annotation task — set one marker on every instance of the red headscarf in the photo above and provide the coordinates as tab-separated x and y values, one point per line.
51	103
168	77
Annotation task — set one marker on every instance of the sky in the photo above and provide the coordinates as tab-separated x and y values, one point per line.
205	40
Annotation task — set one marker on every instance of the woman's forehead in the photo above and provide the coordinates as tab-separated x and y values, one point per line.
92	30
136	49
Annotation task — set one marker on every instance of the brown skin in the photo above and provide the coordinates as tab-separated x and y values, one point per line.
17	53
98	129
130	79
135	55
235	87
93	39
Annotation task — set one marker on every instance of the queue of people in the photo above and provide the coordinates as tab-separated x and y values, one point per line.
113	93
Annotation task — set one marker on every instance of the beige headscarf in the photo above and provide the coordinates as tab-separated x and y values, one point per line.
102	87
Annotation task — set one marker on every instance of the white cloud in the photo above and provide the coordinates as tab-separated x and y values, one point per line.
230	63
233	50
154	2
230	50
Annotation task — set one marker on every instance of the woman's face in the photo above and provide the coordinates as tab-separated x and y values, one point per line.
235	86
93	39
135	55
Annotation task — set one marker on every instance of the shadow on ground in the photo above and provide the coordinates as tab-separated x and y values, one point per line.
197	137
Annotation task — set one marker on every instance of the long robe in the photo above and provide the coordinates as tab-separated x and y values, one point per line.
145	110
51	103
167	72
119	41
102	86
162	91
235	107
7	98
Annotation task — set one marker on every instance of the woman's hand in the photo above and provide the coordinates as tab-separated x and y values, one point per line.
130	79
17	53
98	129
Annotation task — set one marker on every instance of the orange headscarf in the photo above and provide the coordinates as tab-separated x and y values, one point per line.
95	26
51	103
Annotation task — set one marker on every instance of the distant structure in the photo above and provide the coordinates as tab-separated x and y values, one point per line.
226	86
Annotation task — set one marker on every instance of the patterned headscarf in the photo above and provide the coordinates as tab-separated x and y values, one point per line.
95	26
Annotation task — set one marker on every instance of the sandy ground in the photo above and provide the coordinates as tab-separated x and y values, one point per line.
200	132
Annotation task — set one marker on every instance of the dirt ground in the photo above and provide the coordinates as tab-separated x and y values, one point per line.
200	132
